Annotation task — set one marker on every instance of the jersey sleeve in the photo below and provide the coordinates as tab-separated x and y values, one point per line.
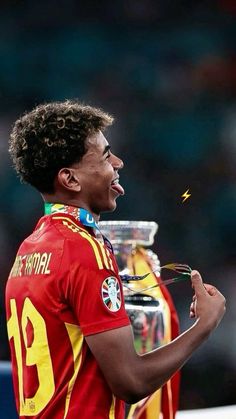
95	296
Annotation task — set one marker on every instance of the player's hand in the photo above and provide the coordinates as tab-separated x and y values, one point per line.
208	305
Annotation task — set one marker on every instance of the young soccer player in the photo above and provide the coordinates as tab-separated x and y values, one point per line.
71	341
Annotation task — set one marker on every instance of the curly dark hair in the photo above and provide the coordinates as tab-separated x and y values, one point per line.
53	136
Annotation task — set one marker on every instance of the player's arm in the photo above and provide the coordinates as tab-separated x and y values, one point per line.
132	376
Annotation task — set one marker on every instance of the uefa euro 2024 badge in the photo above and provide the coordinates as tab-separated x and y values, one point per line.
111	294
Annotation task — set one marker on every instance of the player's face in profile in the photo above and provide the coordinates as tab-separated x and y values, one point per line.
98	175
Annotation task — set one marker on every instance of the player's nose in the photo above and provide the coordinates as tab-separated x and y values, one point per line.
117	162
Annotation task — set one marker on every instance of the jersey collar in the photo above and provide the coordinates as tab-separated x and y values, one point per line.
80	214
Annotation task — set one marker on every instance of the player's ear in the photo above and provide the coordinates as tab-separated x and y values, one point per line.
69	179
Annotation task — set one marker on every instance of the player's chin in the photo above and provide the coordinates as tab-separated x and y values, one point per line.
111	205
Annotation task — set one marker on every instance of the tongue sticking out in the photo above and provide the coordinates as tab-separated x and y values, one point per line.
118	188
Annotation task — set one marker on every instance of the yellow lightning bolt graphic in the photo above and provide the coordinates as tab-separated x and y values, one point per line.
185	195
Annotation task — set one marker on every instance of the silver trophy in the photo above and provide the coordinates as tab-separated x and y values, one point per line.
145	311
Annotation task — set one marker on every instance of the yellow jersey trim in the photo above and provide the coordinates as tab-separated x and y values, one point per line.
76	340
112	408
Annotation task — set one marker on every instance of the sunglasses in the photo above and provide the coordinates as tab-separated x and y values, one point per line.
183	271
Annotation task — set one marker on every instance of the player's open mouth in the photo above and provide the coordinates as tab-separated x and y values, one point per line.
117	187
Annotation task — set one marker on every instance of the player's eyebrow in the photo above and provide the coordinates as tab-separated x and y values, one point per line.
106	149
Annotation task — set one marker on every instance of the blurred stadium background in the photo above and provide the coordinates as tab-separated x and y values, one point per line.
167	71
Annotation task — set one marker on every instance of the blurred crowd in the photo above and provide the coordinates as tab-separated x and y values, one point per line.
167	71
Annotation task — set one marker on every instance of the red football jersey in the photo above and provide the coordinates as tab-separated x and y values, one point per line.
63	286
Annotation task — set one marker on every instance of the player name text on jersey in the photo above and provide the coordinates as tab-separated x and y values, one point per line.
31	264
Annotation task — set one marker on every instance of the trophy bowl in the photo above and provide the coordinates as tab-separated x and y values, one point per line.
145	311
130	232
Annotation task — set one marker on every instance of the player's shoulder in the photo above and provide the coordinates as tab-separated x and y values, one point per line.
67	227
53	232
84	248
59	225
79	245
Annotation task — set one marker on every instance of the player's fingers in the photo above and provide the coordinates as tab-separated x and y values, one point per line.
192	310
192	306
211	289
197	283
